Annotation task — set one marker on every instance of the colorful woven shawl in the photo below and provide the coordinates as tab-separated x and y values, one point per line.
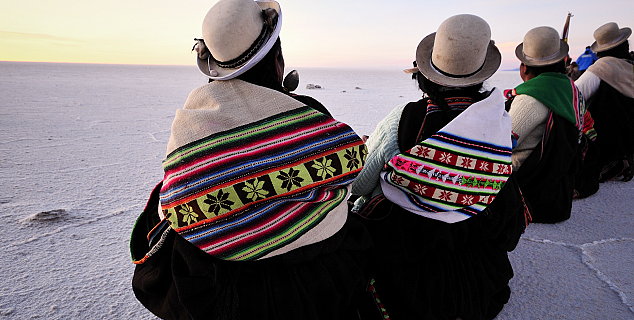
618	73
243	193
457	172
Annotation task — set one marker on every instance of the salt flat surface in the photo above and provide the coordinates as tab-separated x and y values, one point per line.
81	149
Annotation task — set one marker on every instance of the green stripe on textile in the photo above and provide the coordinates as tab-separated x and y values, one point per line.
238	134
291	233
462	186
447	168
283	181
475	155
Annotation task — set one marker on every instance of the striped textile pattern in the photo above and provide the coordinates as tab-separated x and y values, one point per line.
579	104
454	103
588	126
243	193
451	173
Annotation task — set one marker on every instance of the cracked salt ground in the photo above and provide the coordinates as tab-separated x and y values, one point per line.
582	268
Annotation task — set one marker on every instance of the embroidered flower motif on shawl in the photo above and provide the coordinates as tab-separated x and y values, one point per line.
243	193
457	172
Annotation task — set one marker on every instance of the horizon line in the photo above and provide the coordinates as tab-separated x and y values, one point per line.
191	65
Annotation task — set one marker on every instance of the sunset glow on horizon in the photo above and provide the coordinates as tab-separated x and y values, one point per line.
335	34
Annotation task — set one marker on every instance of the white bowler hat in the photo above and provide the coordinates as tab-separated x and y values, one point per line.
609	36
460	53
238	34
542	46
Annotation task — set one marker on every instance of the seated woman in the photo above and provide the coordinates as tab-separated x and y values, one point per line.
608	87
547	112
251	220
437	192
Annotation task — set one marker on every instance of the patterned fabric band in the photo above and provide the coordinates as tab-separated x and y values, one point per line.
454	104
459	170
447	173
246	192
588	126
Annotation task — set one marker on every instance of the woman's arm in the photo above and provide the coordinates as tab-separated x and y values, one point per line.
528	117
382	146
588	84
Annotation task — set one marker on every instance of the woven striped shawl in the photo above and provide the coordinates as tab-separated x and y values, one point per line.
243	193
457	172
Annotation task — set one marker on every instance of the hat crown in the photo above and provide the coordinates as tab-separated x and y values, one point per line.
230	27
607	33
541	47
609	36
460	45
541	43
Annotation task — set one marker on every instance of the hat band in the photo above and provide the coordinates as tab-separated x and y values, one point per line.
249	53
457	76
550	57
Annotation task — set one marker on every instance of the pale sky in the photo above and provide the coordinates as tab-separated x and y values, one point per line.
326	33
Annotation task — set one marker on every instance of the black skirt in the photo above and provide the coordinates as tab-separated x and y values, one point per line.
613	115
324	280
428	269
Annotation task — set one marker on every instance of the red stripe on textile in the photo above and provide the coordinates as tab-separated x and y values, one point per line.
259	231
404	165
262	232
549	126
261	173
368	207
575	104
452	196
211	160
277	135
292	213
256	129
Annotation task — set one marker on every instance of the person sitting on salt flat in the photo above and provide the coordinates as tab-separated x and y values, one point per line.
547	112
608	87
437	191
251	219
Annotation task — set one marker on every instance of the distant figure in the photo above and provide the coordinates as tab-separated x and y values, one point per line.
586	59
547	113
437	191
608	86
573	71
251	218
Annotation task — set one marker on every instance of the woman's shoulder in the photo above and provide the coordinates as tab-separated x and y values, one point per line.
384	135
410	123
392	118
523	102
311	102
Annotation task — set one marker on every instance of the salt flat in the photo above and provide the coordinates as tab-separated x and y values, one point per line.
81	148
